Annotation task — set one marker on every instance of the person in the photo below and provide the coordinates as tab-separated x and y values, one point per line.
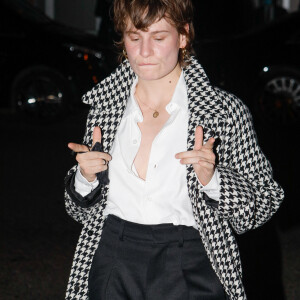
168	170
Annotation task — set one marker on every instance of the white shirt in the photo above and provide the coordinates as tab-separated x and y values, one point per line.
163	196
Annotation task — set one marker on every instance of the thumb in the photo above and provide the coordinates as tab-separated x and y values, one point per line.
209	144
198	138
97	136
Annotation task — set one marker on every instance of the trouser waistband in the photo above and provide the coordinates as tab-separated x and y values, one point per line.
159	233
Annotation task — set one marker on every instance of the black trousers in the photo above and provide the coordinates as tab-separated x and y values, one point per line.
151	262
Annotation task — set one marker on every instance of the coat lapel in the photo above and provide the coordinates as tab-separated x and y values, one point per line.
205	109
109	99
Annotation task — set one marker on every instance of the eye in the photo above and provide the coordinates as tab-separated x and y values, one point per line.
134	38
159	38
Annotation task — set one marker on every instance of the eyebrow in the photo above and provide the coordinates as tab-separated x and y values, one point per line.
153	32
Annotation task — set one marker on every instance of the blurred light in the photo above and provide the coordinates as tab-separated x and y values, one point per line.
266	69
59	95
95	79
85	56
79	49
31	100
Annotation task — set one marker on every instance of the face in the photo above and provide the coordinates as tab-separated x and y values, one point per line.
153	54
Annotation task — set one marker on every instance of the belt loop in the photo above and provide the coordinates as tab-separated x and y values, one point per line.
180	236
121	230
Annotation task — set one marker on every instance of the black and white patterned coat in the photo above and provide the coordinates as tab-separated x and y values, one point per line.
249	195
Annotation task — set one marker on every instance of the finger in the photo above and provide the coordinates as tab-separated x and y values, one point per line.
195	160
206	164
92	170
77	147
89	165
198	138
193	153
185	154
97	135
93	155
209	144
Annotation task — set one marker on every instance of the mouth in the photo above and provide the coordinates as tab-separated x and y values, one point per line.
145	64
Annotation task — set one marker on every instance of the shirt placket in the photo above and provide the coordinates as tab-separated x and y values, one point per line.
149	201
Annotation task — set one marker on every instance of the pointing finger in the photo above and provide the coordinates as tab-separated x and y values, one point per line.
78	148
97	135
198	138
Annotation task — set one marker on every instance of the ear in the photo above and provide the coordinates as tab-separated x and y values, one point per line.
183	37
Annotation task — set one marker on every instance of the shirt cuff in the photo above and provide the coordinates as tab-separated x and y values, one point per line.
212	189
82	186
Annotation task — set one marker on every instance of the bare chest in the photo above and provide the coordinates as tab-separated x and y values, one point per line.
150	127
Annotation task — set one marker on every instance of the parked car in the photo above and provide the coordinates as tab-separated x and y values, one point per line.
261	66
45	66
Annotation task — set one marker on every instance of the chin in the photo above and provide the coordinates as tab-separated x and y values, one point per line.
150	77
152	74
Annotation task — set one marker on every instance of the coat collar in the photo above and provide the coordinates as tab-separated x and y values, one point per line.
110	97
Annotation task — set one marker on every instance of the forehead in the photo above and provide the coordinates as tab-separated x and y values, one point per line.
159	25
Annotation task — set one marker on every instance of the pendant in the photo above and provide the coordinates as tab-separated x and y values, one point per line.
155	114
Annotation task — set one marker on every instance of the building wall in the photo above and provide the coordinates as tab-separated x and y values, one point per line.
77	13
40	4
80	13
289	5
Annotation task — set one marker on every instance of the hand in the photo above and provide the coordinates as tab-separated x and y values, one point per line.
202	157
91	162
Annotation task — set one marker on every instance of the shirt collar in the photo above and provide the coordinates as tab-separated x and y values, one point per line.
132	106
178	101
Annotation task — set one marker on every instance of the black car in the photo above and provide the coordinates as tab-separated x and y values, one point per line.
261	66
45	66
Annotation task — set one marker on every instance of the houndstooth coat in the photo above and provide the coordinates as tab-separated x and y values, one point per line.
249	195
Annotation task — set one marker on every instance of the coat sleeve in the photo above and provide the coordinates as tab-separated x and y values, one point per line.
79	207
249	194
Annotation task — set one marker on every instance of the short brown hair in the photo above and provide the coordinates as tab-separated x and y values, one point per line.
143	13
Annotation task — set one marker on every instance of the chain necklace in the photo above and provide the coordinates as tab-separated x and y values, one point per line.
155	114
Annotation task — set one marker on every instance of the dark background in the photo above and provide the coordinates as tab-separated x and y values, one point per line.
38	238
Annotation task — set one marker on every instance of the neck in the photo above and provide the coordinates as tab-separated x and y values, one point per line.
156	93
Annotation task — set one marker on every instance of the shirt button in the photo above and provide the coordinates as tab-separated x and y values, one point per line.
149	198
155	166
134	141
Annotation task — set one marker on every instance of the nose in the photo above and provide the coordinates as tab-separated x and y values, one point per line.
146	48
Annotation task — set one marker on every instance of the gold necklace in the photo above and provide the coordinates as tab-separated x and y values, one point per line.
155	114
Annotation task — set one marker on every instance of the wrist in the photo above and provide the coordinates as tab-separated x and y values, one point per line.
205	178
89	178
